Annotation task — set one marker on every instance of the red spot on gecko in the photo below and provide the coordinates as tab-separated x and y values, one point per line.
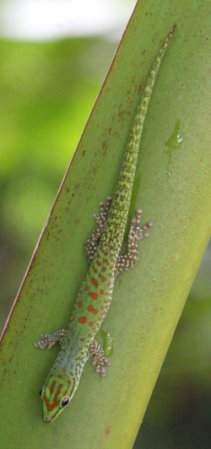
103	268
94	282
90	308
95	270
91	323
102	292
80	303
81	339
93	295
86	288
103	279
83	319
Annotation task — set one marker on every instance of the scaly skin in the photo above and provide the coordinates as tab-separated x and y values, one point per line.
95	294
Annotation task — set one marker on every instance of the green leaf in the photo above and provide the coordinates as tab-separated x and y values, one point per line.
174	193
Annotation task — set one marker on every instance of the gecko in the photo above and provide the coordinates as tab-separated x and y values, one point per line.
77	342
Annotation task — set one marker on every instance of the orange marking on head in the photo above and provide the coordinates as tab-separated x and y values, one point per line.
90	308
93	295
80	303
94	282
83	319
91	323
95	311
54	403
52	387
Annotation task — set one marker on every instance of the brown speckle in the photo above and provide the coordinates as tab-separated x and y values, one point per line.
107	431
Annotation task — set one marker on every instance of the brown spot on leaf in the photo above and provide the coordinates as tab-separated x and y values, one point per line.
107	431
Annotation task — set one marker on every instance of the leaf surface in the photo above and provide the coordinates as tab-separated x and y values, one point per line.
173	188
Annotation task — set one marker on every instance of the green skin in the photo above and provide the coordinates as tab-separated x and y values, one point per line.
95	294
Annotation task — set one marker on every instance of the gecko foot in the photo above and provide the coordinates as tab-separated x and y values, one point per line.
101	218
99	361
126	261
49	340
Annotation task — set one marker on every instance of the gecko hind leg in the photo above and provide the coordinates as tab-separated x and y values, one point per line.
49	340
126	261
99	361
101	218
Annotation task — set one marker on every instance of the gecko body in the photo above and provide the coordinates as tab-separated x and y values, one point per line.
95	294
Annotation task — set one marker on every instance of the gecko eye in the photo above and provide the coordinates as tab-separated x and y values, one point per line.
65	401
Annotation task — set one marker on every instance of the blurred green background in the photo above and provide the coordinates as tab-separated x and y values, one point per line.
47	89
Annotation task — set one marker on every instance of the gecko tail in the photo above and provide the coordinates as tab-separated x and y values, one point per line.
124	188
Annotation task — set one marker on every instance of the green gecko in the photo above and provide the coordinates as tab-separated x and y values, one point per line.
103	247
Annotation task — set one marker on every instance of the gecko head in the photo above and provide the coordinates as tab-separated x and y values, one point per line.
56	394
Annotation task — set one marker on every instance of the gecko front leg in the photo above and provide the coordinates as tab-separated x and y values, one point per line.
99	361
49	340
126	261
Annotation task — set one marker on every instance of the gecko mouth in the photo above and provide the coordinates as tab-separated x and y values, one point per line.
47	420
